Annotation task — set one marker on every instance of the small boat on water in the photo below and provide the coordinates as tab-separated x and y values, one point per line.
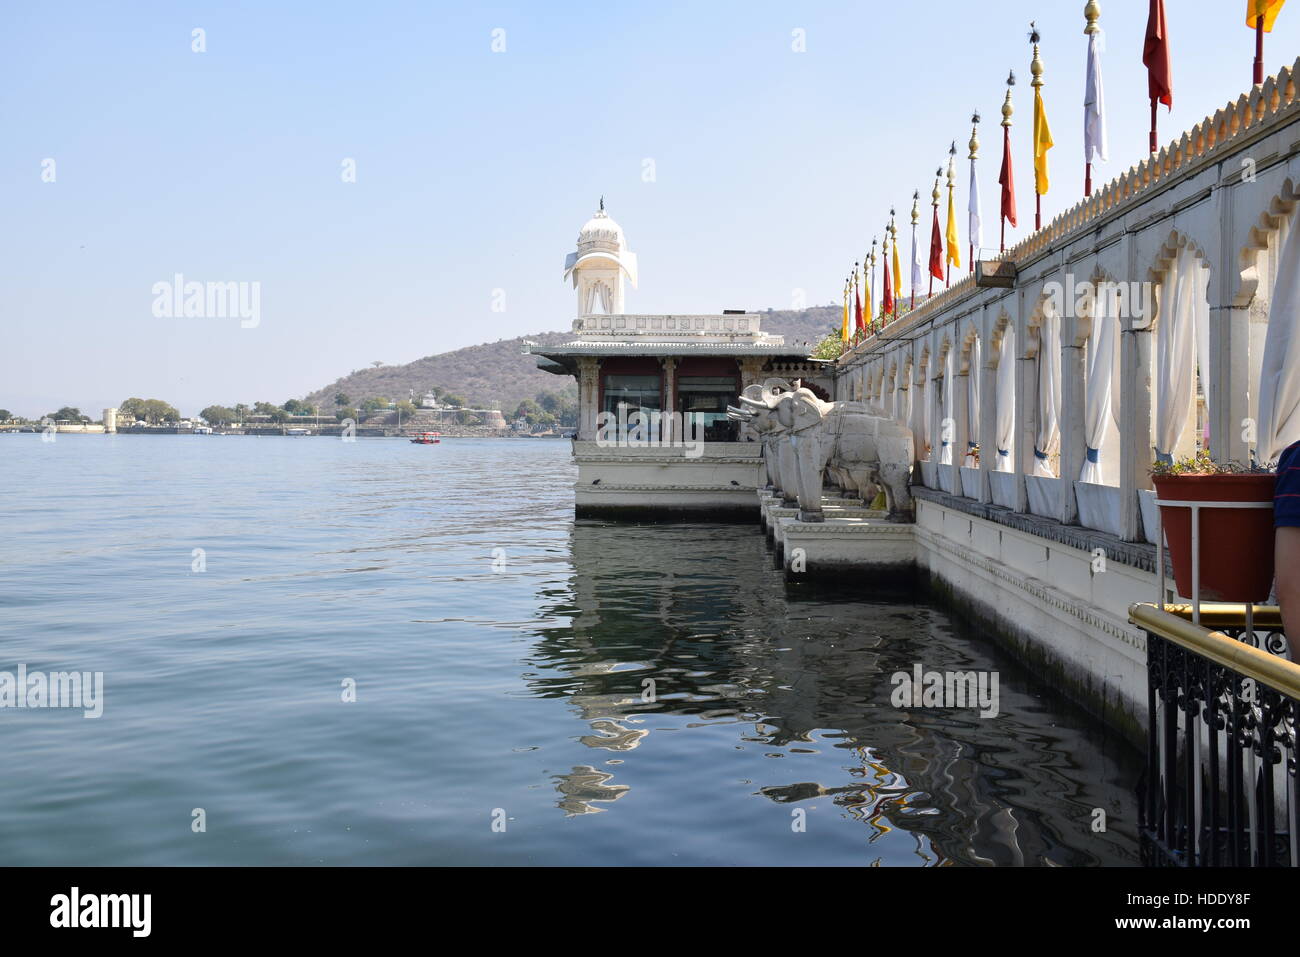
426	438
297	431
202	430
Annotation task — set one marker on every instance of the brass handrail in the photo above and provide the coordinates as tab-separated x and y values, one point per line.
1245	659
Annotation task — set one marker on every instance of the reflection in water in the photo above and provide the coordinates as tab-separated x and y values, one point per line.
672	627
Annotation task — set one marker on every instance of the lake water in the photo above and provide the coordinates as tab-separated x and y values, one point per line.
500	653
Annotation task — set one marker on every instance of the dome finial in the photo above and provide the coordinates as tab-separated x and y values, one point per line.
602	203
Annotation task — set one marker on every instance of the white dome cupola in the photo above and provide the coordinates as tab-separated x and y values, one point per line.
599	265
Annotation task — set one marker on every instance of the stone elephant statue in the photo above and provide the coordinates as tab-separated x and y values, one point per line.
861	449
761	419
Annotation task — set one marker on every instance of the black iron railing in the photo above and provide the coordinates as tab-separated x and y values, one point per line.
1220	785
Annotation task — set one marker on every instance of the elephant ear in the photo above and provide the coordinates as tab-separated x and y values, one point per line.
807	409
772	385
754	391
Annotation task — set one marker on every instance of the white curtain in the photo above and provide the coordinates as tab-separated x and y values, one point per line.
946	435
972	404
1103	374
1006	399
1182	302
1279	392
1048	439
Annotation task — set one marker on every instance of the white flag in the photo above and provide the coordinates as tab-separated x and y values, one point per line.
916	263
976	234
1094	107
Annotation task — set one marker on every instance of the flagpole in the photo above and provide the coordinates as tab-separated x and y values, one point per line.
952	182
1259	48
934	201
1092	13
1036	68
884	275
1155	57
1007	110
916	215
898	278
871	292
857	299
974	145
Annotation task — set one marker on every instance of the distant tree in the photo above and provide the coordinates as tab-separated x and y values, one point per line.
217	415
454	401
374	404
341	399
346	412
241	412
297	407
266	408
133	408
407	407
829	348
157	412
5	415
377	364
69	413
528	411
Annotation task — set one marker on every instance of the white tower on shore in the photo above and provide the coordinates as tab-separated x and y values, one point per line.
599	266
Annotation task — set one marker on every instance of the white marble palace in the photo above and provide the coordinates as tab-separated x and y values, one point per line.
654	439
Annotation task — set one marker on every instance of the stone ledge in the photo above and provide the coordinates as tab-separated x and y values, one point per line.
1137	555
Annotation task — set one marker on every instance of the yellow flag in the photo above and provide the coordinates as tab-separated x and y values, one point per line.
1042	143
898	279
1268	9
844	329
954	249
866	295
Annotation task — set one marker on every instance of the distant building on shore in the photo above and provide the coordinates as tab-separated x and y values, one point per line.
653	433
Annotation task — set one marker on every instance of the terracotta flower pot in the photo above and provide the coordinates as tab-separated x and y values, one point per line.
1236	544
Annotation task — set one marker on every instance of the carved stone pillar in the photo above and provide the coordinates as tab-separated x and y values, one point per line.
988	424
1135	453
1074	442
751	371
588	397
669	398
1026	424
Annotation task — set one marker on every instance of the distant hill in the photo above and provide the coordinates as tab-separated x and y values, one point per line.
499	375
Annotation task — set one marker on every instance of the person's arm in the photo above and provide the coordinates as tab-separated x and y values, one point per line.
1286	559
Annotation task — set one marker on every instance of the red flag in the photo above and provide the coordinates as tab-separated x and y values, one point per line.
857	311
1007	179
936	248
887	304
1155	56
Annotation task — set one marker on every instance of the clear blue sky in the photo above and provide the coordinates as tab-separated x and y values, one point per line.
475	169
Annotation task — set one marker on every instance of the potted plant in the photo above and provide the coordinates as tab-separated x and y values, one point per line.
1236	544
